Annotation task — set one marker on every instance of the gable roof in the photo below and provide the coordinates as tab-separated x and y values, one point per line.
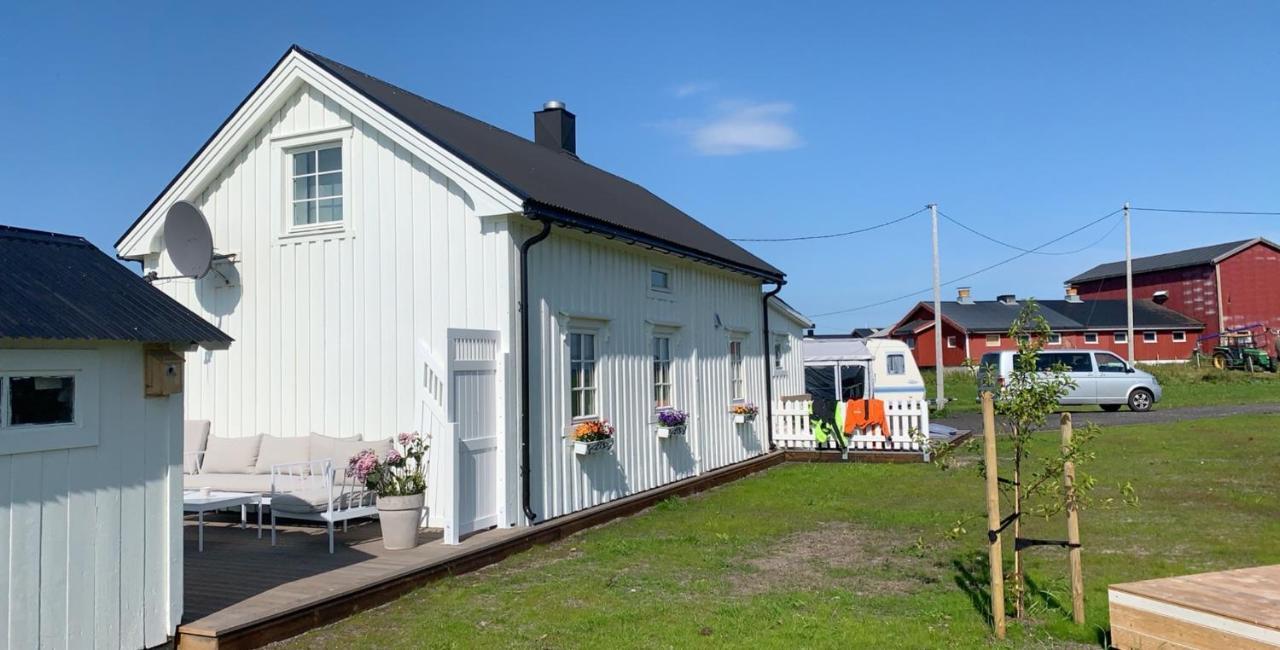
1175	260
1062	315
551	184
63	287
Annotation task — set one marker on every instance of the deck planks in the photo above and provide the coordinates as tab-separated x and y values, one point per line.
1238	608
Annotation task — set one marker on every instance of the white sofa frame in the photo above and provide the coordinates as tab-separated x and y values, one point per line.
346	500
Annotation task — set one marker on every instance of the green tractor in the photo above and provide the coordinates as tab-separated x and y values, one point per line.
1243	348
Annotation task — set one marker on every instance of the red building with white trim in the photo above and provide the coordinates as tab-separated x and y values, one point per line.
1224	286
972	328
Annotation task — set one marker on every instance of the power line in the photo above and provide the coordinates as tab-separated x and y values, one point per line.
831	235
1184	211
977	272
1025	250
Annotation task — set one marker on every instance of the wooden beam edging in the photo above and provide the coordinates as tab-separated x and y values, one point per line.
294	621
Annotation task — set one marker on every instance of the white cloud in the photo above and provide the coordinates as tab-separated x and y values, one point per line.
690	88
741	127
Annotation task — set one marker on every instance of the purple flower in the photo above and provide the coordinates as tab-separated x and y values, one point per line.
394	457
406	438
672	417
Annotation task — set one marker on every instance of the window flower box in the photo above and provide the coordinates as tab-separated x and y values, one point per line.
592	437
671	422
744	412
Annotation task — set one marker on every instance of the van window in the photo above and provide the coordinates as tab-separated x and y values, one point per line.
1073	361
896	364
1108	362
991	360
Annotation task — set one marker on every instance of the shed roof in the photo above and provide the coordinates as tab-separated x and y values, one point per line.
828	349
1165	261
1062	315
63	287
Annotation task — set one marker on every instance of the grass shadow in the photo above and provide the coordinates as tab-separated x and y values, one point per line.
973	576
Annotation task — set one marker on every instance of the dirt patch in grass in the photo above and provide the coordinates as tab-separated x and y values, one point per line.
836	555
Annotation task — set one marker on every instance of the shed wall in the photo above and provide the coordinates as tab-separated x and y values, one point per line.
788	376
91	537
1250	287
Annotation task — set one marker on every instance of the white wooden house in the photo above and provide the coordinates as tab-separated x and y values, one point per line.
90	448
376	287
787	329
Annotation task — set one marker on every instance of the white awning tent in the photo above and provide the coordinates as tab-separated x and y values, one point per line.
830	352
843	362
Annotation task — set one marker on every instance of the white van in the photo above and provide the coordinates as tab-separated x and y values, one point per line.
1101	378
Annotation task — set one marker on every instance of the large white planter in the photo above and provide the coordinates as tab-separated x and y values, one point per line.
399	518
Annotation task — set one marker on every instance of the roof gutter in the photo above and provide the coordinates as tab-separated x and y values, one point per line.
768	365
525	497
535	210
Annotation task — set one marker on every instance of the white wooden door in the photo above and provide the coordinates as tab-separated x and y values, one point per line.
473	409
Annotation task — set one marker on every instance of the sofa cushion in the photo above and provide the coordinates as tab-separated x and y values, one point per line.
317	500
278	451
340	450
195	433
231	455
259	483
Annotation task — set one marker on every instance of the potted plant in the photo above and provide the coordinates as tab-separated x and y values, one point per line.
671	422
400	486
592	436
744	412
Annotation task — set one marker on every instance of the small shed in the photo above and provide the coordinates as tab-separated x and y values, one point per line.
837	361
90	447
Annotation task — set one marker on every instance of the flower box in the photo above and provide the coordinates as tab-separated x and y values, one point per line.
592	447
744	412
743	418
667	432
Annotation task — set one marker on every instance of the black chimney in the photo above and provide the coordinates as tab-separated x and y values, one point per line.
553	127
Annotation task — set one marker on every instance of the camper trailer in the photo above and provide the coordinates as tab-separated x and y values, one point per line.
845	367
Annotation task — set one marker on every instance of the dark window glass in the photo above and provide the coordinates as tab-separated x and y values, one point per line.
820	382
41	400
1108	362
853	382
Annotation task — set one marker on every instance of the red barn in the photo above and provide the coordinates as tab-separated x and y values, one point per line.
1224	286
971	328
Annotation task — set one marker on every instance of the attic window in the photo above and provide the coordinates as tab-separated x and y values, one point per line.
660	280
316	174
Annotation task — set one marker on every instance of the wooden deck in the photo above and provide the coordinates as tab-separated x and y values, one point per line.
1226	609
243	593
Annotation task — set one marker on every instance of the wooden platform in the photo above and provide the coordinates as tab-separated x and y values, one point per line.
1226	609
243	593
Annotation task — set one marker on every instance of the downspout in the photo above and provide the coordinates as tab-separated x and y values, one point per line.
524	367
768	364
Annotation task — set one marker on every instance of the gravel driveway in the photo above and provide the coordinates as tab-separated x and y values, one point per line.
1083	414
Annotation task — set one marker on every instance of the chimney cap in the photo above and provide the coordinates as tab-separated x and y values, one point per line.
554	104
1007	298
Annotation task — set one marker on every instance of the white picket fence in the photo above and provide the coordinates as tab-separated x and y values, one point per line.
908	425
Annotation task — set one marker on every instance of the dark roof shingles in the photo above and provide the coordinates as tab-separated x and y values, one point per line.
63	287
1162	262
994	316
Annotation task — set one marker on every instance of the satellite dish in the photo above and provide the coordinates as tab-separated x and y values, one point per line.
188	240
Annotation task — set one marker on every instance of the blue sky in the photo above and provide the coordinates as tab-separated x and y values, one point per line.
1024	120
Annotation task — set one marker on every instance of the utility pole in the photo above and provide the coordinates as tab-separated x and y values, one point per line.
939	367
1128	279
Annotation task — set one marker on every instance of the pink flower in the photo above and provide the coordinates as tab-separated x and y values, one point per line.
406	438
394	457
362	464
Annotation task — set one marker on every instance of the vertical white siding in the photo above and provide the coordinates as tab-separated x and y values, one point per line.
789	380
325	326
88	535
590	280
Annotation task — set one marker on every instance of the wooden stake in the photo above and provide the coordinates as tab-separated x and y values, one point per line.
1019	580
1073	527
995	555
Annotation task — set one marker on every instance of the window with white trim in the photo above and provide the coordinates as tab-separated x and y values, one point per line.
1055	338
895	364
779	346
583	379
737	383
1120	337
993	340
1149	337
1179	337
660	280
1091	338
316	185
34	401
951	341
48	400
662	383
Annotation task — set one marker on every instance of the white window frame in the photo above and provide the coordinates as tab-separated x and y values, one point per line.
951	342
282	148
1179	337
888	367
1155	337
1088	335
83	367
1120	337
737	368
993	343
671	281
591	391
1055	338
663	381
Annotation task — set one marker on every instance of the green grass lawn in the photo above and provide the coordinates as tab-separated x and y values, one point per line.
854	555
1184	385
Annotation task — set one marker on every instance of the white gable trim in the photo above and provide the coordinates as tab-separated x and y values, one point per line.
293	71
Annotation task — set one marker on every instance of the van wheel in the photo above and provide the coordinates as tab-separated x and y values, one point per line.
1111	408
1140	400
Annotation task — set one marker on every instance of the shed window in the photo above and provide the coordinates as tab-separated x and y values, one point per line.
316	181
895	364
1148	337
779	346
1179	337
951	341
660	280
993	340
662	383
583	386
32	401
1091	338
1055	339
736	383
1121	337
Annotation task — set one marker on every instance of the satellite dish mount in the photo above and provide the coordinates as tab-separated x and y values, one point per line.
190	244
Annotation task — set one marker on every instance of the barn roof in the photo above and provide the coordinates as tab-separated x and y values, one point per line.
1165	261
63	287
1062	315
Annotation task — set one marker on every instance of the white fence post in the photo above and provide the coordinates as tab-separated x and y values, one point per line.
449	478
